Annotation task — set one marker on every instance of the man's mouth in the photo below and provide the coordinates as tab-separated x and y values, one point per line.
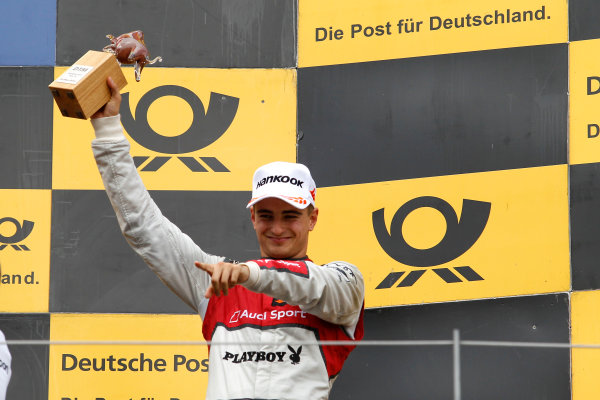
278	239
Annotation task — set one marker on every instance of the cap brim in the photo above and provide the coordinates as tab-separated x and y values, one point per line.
299	203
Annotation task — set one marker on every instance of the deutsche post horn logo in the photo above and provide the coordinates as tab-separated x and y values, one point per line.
460	236
21	232
207	126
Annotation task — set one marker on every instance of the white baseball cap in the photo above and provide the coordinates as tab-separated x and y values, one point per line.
290	182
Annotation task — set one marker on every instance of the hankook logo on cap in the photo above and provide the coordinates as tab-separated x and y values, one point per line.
279	178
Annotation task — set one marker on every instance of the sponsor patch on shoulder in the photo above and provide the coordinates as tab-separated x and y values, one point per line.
296	267
345	273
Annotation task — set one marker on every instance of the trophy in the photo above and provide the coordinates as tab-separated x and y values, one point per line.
82	90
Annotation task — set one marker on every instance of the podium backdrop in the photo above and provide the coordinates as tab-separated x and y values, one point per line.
456	149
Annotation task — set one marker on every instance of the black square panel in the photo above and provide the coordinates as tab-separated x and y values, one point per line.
585	230
93	269
583	19
26	117
490	373
197	33
29	362
431	116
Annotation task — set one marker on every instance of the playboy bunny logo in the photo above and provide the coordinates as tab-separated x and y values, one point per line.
295	356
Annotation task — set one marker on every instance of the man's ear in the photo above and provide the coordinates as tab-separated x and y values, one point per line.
313	219
252	216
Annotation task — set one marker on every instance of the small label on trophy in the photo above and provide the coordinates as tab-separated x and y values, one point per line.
74	74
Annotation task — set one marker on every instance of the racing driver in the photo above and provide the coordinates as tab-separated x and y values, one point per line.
272	312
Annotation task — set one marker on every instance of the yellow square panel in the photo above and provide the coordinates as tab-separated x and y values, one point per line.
585	329
338	31
190	129
24	250
458	237
127	371
584	102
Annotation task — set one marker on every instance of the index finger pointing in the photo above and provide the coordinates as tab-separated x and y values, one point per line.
204	267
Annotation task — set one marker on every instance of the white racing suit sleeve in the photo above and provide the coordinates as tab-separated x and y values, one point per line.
5	369
168	252
333	292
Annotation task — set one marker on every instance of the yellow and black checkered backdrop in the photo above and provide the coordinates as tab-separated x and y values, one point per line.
455	144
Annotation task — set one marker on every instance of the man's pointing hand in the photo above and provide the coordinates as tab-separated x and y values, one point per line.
223	276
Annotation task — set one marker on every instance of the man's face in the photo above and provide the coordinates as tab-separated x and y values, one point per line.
282	229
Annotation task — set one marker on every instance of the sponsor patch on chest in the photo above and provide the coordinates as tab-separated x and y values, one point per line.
293	356
273	315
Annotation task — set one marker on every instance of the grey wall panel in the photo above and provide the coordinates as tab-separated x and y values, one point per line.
29	379
490	373
26	118
93	269
585	230
197	33
583	19
431	116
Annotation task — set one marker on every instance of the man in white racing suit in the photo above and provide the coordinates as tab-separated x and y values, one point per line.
272	310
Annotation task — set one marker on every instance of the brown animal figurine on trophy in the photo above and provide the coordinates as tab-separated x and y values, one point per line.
129	48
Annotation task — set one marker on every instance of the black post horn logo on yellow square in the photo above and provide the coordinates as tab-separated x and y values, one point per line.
459	237
208	126
20	234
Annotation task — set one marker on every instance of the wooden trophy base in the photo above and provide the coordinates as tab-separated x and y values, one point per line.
82	90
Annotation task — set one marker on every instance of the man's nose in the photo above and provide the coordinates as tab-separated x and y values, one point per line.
277	227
